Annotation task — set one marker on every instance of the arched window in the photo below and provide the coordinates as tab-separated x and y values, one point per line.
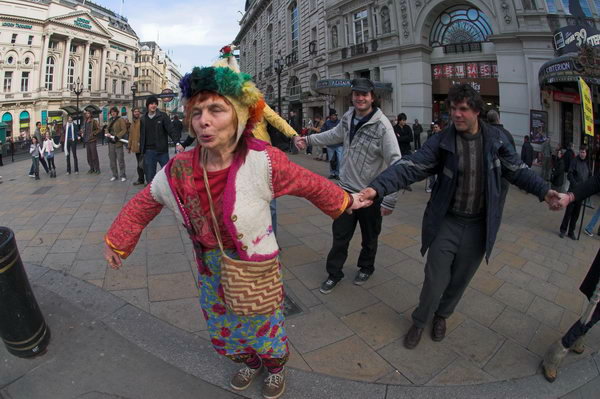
24	124
294	87
90	75
460	24
386	25
8	120
123	111
334	37
585	8
294	26
49	81
71	73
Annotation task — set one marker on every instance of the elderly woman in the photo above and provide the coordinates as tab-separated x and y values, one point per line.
221	192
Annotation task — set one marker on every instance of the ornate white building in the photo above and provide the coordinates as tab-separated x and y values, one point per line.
46	46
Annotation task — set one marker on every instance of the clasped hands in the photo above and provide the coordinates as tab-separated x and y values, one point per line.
557	201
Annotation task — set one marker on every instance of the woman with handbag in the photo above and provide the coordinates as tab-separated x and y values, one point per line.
221	192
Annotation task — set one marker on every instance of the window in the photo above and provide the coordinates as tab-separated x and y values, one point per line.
105	83
114	86
347	28
270	45
386	25
30	40
52	45
27	60
123	87
13	40
10	60
529	5
126	60
361	26
117	57
334	37
597	4
71	73
7	81
73	48
25	81
584	7
90	75
294	87
294	26
49	73
460	24
136	72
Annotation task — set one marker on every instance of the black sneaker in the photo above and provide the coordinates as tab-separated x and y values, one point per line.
561	234
572	236
361	278
328	286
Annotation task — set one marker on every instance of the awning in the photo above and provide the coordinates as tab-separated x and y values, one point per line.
335	87
94	109
69	109
569	68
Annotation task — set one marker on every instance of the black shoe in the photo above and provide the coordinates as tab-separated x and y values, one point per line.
572	236
89	172
331	177
337	177
328	286
413	337
561	234
361	278
438	330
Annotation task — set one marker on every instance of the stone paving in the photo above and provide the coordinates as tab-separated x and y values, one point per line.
517	304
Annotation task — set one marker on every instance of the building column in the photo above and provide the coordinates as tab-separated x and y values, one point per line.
66	63
103	69
42	73
86	67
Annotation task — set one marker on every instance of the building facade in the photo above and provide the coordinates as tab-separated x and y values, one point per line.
416	49
47	46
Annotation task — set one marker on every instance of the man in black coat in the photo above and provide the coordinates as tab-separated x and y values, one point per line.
527	152
578	173
463	216
404	135
155	129
177	127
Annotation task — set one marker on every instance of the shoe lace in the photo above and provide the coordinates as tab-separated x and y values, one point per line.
247	372
274	380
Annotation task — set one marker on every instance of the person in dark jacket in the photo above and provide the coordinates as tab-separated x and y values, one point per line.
527	152
573	340
568	156
557	180
177	127
417	130
578	172
463	216
155	129
404	135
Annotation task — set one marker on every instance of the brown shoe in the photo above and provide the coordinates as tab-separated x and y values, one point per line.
413	337
438	330
274	385
244	377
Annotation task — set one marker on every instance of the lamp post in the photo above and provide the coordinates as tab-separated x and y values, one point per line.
279	62
78	89
133	90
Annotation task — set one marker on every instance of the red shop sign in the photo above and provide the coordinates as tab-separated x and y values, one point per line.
448	70
437	71
566	97
472	68
459	70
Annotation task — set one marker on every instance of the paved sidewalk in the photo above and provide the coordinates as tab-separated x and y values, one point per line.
520	302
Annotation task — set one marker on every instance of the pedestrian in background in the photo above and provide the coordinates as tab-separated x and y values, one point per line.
435	129
578	173
91	130
546	159
155	130
417	130
35	151
177	128
37	133
568	156
134	146
70	144
404	135
314	128
527	152
557	180
47	152
335	152
116	130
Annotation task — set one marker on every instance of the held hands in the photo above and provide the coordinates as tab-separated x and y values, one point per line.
556	201
179	147
368	194
113	259
300	142
358	202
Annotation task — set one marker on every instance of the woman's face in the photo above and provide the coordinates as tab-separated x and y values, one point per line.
213	120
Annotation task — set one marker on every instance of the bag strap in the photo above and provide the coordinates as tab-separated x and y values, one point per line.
215	225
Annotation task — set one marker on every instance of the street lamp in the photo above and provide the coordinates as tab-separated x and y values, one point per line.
279	63
78	89
133	90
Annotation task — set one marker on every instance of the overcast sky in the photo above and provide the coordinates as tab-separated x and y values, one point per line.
193	30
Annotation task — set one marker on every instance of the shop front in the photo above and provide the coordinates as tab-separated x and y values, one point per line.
482	76
24	125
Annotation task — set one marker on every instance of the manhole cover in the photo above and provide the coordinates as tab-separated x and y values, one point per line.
290	308
42	190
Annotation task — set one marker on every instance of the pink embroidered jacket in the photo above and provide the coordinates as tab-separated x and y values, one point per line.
265	174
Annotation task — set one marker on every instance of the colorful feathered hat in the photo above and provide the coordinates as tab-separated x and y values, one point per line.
224	78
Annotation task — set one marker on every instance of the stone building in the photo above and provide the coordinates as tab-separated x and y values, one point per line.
47	46
416	49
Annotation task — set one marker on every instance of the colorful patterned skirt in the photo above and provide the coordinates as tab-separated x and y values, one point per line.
237	337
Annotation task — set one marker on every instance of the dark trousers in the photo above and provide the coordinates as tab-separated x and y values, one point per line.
139	157
51	165
570	219
343	229
453	258
578	329
151	157
35	167
92	156
44	165
72	149
417	137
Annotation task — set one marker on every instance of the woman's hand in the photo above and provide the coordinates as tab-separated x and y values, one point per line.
113	259
358	203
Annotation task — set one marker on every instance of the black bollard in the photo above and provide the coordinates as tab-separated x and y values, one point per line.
22	326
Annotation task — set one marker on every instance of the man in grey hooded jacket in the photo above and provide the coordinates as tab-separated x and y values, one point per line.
370	146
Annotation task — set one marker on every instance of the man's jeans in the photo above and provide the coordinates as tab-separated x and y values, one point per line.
338	151
592	224
151	157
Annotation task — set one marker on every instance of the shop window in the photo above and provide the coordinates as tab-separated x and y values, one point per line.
24	121
8	120
460	24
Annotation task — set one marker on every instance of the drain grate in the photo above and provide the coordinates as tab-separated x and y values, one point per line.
42	190
290	308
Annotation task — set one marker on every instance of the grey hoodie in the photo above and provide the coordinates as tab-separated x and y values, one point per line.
372	150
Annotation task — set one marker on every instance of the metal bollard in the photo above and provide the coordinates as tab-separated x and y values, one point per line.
22	326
